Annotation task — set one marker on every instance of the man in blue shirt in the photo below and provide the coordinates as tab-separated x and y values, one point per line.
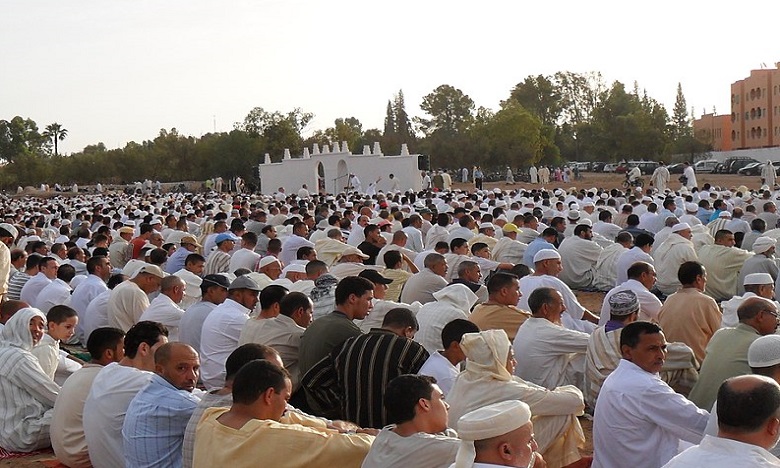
153	429
544	241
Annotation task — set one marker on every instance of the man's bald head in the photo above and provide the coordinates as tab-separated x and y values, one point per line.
748	409
179	364
9	308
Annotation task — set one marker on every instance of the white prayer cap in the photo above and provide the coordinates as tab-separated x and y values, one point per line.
588	204
763	243
267	260
546	254
680	227
295	268
487	226
691	207
10	229
573	215
758	278
488	422
724	214
764	351
585	222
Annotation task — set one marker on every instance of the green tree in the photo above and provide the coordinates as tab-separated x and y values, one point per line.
56	133
451	111
278	131
514	137
681	124
20	136
540	96
403	124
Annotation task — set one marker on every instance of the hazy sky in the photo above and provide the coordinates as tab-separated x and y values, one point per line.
116	71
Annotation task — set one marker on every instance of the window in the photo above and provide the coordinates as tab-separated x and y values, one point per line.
758	112
733	135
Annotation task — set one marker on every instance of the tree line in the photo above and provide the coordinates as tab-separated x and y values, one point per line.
544	120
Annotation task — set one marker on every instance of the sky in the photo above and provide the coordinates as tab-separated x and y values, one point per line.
115	71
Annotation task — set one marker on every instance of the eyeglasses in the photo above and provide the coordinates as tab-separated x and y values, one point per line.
772	313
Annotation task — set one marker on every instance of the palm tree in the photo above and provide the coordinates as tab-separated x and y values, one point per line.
56	133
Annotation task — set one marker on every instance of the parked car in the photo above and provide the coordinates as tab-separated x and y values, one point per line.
755	168
609	167
705	166
676	168
734	164
598	166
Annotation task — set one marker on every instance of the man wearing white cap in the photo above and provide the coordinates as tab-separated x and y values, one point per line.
723	262
763	261
673	252
690	214
488	380
755	285
745	429
486	234
689	315
500	434
579	254
547	266
648	437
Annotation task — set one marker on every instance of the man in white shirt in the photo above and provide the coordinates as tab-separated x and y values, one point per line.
673	252
283	332
648	437
165	307
606	266
414	235
418	413
131	298
245	257
58	291
547	266
551	355
747	427
222	329
443	363
47	273
579	254
295	241
641	279
105	345
640	252
452	302
113	389
99	271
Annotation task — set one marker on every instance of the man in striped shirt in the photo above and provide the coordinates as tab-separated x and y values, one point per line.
358	371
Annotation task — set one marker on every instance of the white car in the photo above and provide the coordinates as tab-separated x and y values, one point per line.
611	167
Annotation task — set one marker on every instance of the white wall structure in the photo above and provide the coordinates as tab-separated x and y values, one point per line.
334	167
